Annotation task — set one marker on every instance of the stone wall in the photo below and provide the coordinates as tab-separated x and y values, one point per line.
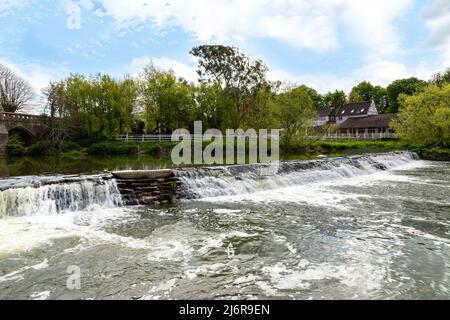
147	186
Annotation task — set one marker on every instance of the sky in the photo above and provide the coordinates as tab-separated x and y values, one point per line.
325	44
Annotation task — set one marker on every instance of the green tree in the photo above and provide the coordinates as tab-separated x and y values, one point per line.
239	77
406	86
334	99
317	99
100	106
366	92
441	79
168	102
212	105
425	117
262	114
362	92
295	112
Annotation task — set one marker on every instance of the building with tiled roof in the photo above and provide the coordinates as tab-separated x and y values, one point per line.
356	119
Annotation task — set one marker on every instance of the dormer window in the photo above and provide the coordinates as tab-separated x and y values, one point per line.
353	111
362	110
343	112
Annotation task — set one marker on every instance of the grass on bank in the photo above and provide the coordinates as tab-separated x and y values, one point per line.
74	150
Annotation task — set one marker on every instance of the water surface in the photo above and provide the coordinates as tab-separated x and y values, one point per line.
372	228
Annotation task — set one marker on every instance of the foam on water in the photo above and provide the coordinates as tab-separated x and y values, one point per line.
45	197
235	182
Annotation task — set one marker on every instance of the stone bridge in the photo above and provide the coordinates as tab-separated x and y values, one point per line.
26	125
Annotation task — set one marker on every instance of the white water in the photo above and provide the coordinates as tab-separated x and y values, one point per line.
42	196
242	180
335	228
60	196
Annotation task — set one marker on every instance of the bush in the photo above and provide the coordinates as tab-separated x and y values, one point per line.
15	145
113	148
159	149
71	155
70	145
328	147
40	148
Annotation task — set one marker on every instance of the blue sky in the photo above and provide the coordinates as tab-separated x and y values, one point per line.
327	44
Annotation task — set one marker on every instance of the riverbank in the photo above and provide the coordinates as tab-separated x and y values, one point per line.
114	155
163	148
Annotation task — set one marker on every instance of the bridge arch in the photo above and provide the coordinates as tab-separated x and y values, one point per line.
26	135
26	125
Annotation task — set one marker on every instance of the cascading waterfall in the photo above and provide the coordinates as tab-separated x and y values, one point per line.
239	179
42	196
28	196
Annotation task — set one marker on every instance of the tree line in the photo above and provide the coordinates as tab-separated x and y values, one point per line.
232	91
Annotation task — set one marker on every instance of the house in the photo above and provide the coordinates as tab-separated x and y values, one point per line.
324	116
373	126
344	112
358	120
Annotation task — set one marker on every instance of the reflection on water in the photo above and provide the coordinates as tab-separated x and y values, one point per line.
26	166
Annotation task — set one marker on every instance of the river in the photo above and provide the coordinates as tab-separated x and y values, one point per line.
372	227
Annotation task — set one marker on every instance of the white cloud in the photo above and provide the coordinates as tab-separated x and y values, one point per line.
9	6
323	82
380	73
437	19
183	70
308	24
371	23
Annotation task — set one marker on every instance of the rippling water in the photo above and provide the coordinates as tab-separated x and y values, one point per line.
354	233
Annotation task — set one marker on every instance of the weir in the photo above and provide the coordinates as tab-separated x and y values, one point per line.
58	194
28	196
147	186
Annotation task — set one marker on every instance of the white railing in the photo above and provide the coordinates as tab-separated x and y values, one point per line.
361	136
155	137
168	137
329	137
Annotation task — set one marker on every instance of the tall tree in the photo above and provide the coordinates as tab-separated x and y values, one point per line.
425	117
317	99
262	115
15	92
168	102
100	106
406	86
212	105
363	92
59	122
441	78
366	92
334	99
239	77
295	112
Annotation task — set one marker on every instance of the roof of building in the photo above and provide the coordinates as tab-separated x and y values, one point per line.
353	109
377	121
324	111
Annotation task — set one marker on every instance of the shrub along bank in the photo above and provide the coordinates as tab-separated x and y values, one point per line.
163	149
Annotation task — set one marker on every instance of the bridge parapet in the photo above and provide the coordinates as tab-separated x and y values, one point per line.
5	116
